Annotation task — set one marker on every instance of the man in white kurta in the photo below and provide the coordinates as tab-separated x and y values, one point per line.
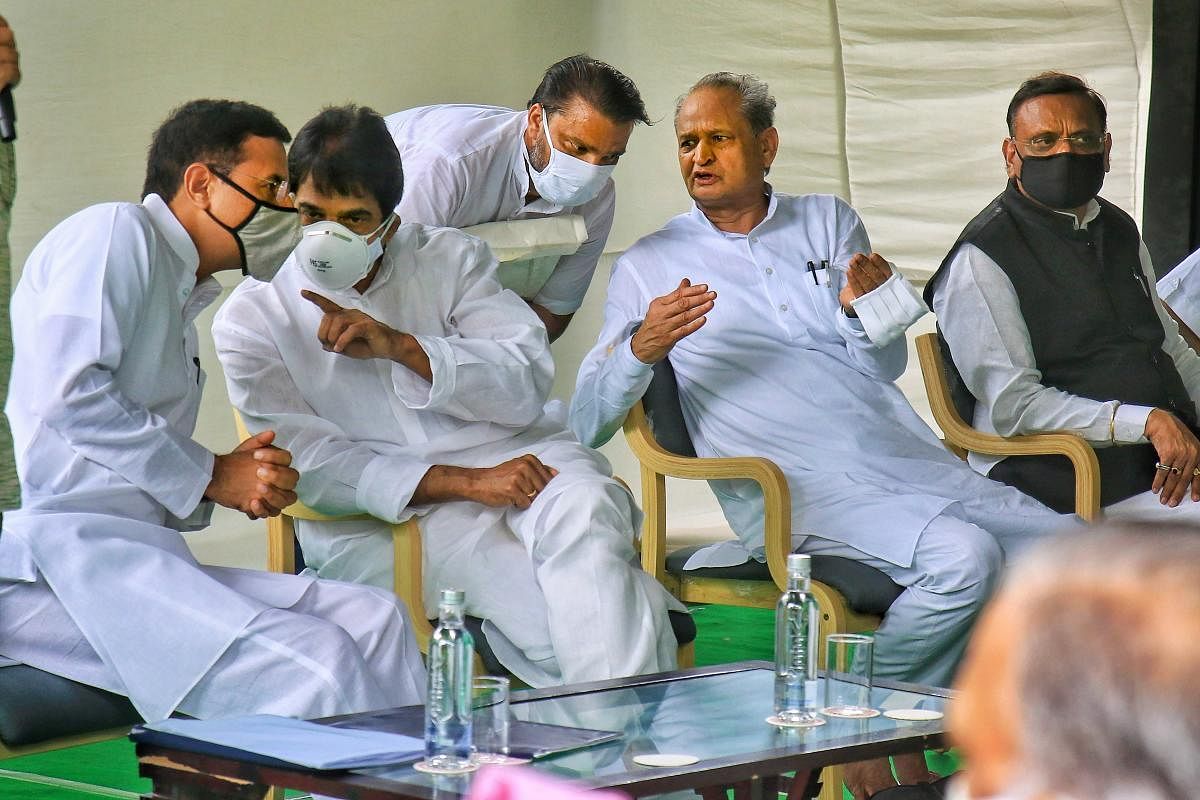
551	570
469	164
96	582
770	364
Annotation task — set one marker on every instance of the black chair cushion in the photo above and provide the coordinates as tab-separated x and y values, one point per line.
866	589
665	417
36	706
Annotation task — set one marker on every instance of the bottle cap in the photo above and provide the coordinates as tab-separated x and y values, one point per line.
454	596
799	564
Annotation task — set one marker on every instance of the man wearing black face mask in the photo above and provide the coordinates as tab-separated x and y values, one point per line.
96	583
1046	304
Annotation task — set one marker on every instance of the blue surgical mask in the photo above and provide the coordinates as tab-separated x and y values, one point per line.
566	180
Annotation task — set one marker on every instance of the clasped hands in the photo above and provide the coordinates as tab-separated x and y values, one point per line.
256	478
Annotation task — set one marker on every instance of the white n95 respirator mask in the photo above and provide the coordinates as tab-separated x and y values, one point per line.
566	180
335	257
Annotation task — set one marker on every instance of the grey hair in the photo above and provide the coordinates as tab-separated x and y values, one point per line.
758	106
1107	663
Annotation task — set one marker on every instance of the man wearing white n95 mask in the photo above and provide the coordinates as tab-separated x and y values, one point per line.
407	382
96	583
469	164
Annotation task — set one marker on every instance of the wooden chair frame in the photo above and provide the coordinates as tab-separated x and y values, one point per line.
963	438
407	574
657	464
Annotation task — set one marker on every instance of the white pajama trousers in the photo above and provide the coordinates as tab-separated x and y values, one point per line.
339	649
953	572
558	584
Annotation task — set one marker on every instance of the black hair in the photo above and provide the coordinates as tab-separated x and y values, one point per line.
1056	83
348	150
208	132
600	85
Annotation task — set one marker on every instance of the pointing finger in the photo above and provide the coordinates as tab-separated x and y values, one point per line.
320	301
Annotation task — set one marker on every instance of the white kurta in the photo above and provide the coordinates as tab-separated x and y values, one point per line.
105	392
465	165
780	371
1180	289
557	582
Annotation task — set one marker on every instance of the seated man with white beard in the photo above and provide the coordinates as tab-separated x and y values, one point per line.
406	382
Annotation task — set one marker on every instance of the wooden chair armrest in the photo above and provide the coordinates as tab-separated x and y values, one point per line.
959	434
658	463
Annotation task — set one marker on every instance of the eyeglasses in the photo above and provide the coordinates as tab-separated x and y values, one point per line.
1048	142
276	188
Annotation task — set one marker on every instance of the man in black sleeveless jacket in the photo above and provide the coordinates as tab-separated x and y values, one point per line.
1046	304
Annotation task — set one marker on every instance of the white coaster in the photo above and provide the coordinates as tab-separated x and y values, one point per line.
780	722
913	714
664	760
426	767
858	713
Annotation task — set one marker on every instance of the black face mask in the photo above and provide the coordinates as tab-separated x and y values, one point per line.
1064	181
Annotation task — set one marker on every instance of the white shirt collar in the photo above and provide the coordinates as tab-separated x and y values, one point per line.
198	295
772	203
1093	211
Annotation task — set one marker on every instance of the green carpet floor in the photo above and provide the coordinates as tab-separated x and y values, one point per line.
109	769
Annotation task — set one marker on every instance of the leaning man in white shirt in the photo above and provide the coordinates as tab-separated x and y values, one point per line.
96	582
469	164
1047	304
406	382
785	337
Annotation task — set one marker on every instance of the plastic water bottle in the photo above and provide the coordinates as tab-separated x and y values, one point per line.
448	704
797	618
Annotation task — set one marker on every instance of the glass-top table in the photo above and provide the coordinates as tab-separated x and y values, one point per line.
715	714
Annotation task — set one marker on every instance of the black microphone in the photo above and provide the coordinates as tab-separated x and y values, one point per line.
8	115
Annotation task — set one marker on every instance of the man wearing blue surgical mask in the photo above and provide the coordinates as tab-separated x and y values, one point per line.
1047	305
96	582
470	164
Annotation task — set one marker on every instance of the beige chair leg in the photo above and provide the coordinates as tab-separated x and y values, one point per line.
831	784
274	793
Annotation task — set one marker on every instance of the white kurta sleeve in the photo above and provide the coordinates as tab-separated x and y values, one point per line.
93	287
885	362
1186	361
495	365
338	475
980	316
611	378
1180	289
564	290
434	190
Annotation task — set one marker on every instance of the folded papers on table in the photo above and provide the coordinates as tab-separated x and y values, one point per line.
269	739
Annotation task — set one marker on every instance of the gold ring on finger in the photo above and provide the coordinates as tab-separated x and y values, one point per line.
531	495
1175	470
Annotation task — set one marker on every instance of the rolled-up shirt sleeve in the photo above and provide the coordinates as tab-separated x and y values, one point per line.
496	365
